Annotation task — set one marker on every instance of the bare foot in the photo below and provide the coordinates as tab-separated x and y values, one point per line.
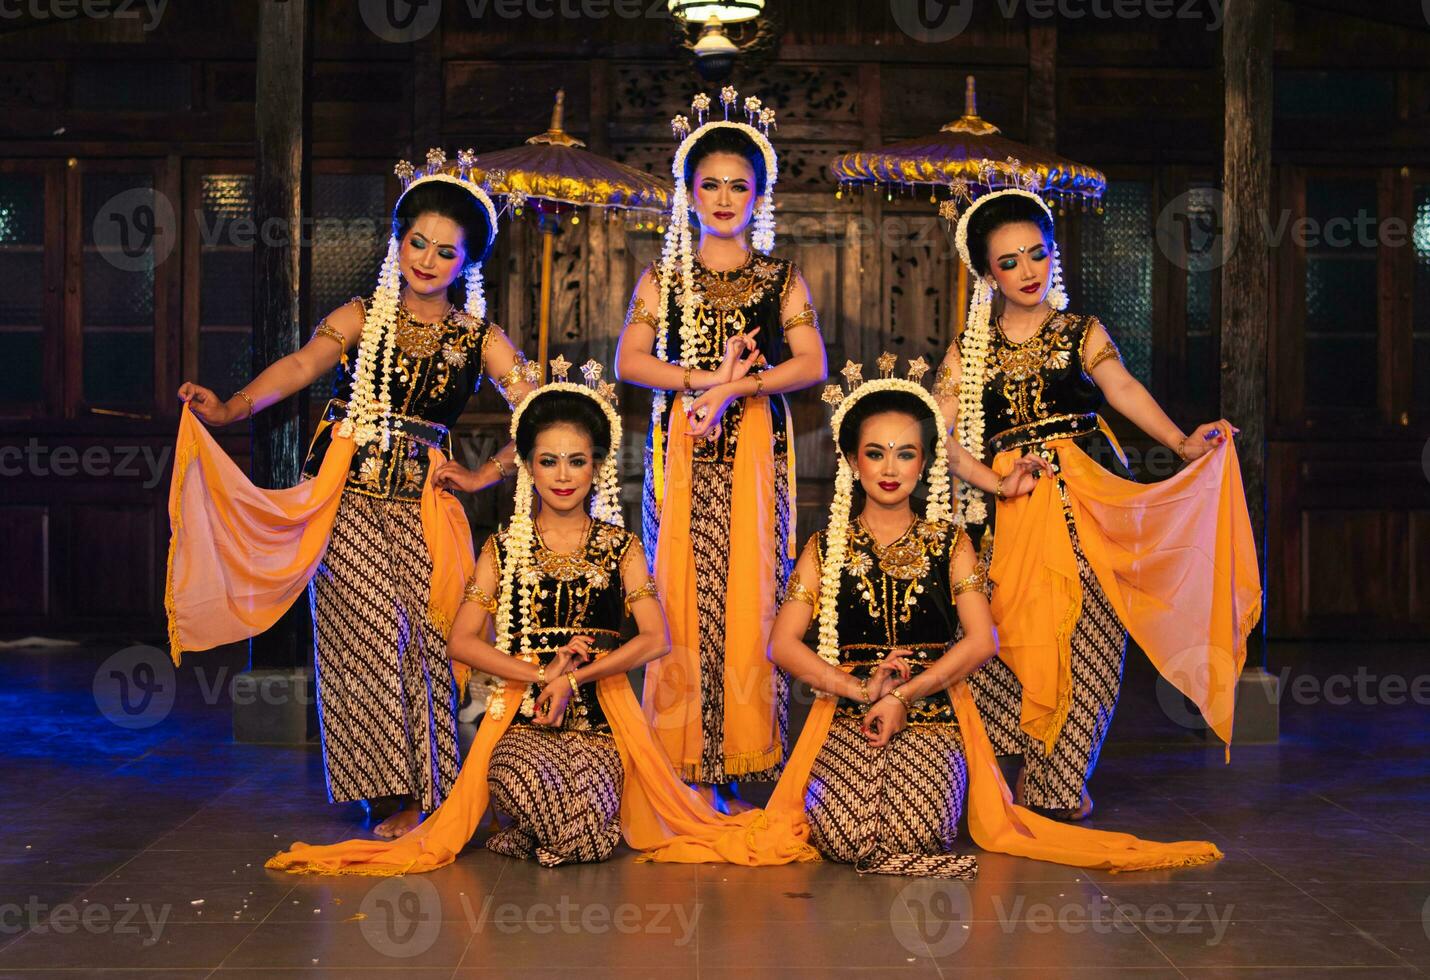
1081	812
399	823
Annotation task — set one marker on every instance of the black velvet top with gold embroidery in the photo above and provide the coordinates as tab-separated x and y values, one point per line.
897	597
436	369
732	302
578	594
1040	390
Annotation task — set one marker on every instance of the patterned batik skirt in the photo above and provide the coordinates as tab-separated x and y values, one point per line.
1056	780
562	790
710	540
891	810
386	697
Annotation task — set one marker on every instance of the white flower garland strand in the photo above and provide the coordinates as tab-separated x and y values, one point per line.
519	574
836	538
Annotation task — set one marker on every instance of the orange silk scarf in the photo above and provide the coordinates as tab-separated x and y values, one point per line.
672	684
240	555
1176	559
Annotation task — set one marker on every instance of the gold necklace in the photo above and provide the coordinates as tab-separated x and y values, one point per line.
417	339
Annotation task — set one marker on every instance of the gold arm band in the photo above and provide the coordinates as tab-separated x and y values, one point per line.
640	313
806	317
797	592
1106	351
326	329
976	582
647	591
474	593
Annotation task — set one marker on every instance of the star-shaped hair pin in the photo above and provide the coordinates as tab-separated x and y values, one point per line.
560	368
886	363
853	374
918	367
607	390
592	371
832	395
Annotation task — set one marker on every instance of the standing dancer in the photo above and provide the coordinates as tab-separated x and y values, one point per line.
385	552
1090	555
710	323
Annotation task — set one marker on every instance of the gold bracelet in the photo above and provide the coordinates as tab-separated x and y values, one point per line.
1182	449
240	393
685	380
863	690
575	688
900	698
500	468
541	674
759	384
998	490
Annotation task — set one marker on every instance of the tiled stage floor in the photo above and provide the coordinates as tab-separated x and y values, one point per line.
133	852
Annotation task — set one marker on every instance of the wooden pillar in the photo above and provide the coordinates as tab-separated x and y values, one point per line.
1245	302
281	183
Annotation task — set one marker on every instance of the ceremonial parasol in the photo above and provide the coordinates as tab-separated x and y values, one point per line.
552	174
970	155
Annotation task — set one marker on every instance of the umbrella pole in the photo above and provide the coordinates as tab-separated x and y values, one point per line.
543	335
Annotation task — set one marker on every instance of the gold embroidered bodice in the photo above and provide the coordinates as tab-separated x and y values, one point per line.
897	596
732	302
580	593
436	368
1041	378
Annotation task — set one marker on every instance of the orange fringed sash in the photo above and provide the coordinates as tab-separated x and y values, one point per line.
672	684
240	555
662	817
1176	559
779	833
657	809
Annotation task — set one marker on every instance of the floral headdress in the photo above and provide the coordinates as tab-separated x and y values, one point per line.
977	332
677	257
519	573
370	408
939	507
